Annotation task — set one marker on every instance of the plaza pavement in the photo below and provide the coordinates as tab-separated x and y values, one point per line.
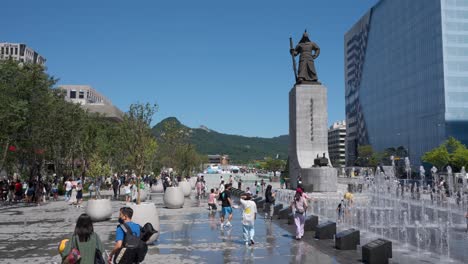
188	235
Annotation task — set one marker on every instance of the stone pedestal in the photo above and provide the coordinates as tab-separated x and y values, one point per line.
325	230
260	204
311	223
377	251
348	239
283	213
308	131
277	209
291	220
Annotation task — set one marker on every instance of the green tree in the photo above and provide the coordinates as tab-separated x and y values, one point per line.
97	168
138	142
274	165
365	153
438	157
459	158
186	159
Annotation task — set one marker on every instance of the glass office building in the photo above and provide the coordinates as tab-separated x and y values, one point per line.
406	74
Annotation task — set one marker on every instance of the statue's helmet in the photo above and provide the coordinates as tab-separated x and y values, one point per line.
305	37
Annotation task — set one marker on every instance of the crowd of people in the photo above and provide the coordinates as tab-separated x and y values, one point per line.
35	191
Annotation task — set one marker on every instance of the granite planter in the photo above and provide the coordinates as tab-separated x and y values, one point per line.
186	188
146	213
157	188
174	197
99	210
143	195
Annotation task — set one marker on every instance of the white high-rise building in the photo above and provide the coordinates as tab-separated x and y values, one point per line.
20	52
337	143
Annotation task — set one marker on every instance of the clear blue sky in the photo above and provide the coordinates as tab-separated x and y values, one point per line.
222	64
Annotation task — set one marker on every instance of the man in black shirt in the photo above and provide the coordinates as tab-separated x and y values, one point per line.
226	204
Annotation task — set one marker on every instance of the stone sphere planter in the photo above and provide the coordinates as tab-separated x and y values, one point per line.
146	213
186	188
158	188
99	210
174	198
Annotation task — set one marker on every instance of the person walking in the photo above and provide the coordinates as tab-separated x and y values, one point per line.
125	218
199	186
115	186
340	210
85	240
221	187
211	201
466	217
226	206
79	194
97	187
68	189
249	215
299	207
269	202
128	192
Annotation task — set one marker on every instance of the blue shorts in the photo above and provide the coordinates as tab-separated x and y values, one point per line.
226	210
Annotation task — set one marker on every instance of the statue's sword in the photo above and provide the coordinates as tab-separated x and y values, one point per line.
291	45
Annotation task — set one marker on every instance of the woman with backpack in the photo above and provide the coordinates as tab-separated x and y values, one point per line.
85	241
269	203
299	207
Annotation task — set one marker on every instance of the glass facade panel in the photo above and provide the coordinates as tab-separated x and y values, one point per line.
455	42
400	100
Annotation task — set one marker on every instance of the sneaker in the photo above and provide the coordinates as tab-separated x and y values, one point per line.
246	244
252	242
228	224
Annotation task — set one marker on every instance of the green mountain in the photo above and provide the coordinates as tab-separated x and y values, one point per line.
239	148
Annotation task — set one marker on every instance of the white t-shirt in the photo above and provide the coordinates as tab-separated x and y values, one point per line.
249	209
127	189
68	186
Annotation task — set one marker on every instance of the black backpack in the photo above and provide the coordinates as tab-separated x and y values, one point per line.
147	232
134	249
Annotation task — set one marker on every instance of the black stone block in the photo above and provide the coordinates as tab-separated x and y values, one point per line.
283	213
291	219
377	251
260	204
311	223
348	239
277	208
325	230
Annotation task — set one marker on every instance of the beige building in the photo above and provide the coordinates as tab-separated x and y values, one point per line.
91	100
20	52
336	143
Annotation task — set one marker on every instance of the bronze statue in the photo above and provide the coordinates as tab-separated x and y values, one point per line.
309	51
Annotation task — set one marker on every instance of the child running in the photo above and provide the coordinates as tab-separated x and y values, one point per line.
212	201
249	214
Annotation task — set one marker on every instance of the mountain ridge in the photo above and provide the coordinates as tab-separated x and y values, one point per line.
241	149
